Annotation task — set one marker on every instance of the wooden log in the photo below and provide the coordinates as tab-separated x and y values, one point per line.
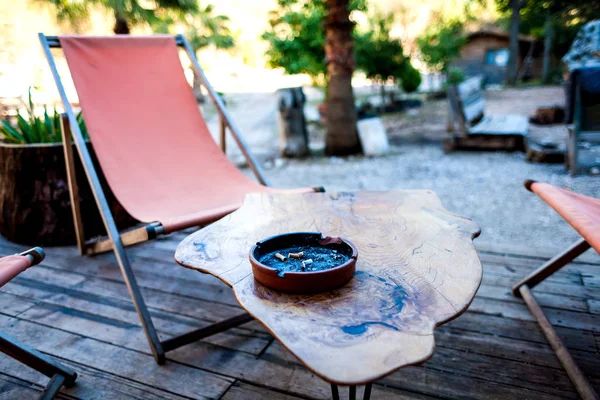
293	136
35	206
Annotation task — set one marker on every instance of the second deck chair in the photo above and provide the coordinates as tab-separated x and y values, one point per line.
583	214
154	148
59	374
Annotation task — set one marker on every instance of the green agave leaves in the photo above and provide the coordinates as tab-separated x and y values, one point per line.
34	129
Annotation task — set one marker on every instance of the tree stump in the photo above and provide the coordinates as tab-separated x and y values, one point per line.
293	136
35	207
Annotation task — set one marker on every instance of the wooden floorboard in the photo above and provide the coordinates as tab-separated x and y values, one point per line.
77	310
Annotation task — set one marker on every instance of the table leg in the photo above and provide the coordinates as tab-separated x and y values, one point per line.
367	394
352	393
335	392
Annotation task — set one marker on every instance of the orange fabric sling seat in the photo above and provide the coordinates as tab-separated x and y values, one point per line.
150	137
581	212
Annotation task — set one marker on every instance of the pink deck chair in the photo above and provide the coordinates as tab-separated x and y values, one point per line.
583	214
59	375
154	148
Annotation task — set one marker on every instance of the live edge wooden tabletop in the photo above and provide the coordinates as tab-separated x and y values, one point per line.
417	268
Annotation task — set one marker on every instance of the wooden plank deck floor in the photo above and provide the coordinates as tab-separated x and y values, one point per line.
77	310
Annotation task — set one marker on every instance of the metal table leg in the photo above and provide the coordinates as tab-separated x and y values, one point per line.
367	394
335	392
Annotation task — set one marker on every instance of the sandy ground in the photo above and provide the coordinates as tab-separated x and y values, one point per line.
485	186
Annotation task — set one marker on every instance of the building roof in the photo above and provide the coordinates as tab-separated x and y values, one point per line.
496	32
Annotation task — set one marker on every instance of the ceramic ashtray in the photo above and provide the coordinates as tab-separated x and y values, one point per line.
303	262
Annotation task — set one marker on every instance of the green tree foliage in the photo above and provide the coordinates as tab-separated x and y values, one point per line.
567	17
127	12
202	29
411	78
297	41
381	57
455	76
201	26
441	43
377	55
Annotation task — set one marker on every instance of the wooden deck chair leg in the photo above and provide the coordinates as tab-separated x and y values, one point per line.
222	133
72	182
551	266
59	374
582	385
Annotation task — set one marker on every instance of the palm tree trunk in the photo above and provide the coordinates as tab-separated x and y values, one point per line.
382	95
121	25
341	137
512	67
547	47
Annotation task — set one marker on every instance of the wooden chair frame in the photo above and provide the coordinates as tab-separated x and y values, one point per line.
455	114
117	241
578	133
523	290
59	374
469	133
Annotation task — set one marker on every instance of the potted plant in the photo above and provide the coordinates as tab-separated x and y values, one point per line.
35	206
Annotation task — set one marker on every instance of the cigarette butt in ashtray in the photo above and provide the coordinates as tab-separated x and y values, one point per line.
281	257
296	255
307	262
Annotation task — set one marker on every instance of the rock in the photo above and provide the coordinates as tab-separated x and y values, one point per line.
373	137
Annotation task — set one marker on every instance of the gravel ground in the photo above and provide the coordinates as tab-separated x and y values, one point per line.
484	186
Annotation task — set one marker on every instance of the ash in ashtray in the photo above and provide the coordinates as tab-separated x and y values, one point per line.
313	258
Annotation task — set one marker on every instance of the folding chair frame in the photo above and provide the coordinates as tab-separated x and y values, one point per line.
59	374
116	241
523	290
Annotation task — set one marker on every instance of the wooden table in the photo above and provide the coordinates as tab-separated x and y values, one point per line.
417	268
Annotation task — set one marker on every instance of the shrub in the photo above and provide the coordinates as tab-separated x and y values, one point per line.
455	76
411	78
378	55
34	129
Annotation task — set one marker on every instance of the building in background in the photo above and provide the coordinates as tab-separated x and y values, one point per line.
486	53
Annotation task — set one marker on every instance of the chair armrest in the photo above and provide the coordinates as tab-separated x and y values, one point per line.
36	255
